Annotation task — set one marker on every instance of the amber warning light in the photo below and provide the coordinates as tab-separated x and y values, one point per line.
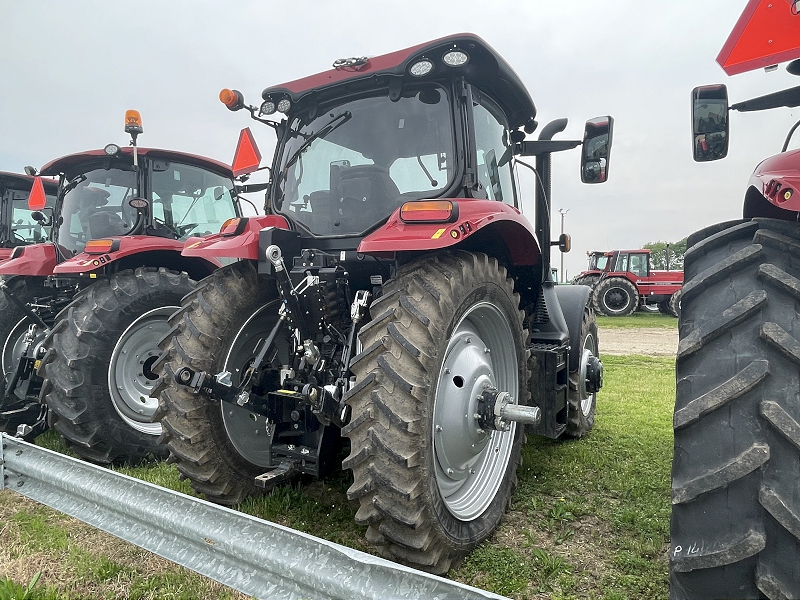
133	122
233	99
429	211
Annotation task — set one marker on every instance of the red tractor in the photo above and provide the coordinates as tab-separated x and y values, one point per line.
81	315
393	298
628	283
17	226
735	498
598	261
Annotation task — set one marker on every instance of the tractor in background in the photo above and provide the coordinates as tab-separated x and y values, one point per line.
81	314
394	304
17	226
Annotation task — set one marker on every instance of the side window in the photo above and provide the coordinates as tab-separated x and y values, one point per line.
639	264
622	263
494	152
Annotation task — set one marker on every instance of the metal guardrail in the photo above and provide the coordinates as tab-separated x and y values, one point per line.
256	557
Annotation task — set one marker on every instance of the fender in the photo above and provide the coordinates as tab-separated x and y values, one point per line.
37	259
5	254
778	177
473	216
573	300
121	247
243	244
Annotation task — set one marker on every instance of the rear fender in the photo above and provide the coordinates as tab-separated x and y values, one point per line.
38	259
778	177
131	252
238	244
480	220
573	300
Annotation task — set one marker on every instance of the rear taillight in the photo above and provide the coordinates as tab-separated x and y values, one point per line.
100	246
233	226
429	211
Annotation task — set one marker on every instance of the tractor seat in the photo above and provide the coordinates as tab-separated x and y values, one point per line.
106	224
361	196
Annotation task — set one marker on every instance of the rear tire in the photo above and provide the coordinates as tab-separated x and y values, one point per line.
616	297
98	368
220	453
735	524
674	304
429	485
582	403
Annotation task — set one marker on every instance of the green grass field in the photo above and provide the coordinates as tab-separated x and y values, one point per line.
639	320
589	519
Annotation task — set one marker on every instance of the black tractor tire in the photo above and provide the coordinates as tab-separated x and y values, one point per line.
615	297
421	505
202	333
590	280
735	524
663	307
98	366
674	304
13	326
583	403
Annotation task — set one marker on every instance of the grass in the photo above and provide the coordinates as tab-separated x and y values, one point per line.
589	518
639	319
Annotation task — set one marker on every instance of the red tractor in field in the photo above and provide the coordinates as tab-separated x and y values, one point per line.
17	226
394	301
735	525
598	260
81	315
628	283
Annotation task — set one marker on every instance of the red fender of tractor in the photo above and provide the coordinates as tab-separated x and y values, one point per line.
470	220
98	254
778	179
35	260
237	239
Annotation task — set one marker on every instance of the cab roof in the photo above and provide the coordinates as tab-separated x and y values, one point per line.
73	161
24	182
486	69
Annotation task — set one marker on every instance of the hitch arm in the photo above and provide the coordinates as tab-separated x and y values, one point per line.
29	312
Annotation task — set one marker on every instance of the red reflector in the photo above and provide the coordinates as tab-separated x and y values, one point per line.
37	199
428	211
98	246
248	156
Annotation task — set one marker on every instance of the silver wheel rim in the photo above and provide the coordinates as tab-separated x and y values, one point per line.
619	298
470	464
247	431
589	350
130	375
13	347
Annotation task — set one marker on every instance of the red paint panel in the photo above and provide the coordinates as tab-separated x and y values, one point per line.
778	174
134	244
244	245
38	259
767	33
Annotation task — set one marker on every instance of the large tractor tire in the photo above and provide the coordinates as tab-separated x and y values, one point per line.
590	280
430	483
14	325
735	503
582	402
221	448
98	366
671	306
615	297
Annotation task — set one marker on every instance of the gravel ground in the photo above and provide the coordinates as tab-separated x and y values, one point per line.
650	342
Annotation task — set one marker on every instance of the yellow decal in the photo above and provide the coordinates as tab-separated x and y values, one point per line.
194	245
36	364
438	234
92	275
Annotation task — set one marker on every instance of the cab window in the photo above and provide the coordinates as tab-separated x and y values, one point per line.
494	151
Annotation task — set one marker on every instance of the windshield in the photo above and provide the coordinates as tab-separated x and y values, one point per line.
97	207
24	229
190	201
353	165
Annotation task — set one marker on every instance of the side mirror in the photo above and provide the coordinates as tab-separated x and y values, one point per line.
31	171
710	127
596	149
40	218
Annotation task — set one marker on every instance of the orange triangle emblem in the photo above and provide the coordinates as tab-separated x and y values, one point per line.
767	33
37	199
248	156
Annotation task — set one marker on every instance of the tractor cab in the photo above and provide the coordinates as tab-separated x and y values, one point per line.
18	227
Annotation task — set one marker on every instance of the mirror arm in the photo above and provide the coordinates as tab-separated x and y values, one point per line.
789	136
537	147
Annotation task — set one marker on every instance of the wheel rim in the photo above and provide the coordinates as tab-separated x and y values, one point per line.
13	347
130	375
616	299
247	431
588	351
470	464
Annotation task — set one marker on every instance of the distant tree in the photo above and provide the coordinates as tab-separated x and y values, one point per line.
660	251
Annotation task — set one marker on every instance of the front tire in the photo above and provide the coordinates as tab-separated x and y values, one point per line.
735	524
582	402
616	297
431	484
98	368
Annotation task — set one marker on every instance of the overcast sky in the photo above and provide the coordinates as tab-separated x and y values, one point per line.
69	70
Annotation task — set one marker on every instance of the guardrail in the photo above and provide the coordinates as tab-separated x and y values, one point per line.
256	557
